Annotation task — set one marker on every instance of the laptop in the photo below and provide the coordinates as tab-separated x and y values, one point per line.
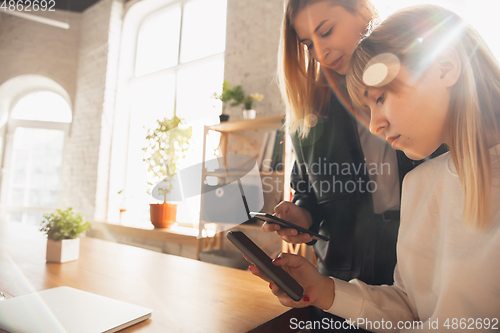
68	310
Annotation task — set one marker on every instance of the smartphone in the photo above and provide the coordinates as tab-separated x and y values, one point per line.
273	219
281	278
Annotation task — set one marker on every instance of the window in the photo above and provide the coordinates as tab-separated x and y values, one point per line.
177	66
36	164
54	108
36	131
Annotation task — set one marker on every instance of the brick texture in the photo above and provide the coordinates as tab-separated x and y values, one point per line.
84	60
28	47
86	160
252	38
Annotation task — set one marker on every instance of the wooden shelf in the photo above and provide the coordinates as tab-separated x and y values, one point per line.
249	124
228	129
236	173
256	225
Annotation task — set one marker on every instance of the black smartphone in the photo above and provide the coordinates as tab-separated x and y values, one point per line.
281	278
273	219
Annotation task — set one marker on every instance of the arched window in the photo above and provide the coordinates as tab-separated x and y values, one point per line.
36	130
174	66
42	106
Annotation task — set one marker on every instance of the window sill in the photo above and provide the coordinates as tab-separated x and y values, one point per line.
180	241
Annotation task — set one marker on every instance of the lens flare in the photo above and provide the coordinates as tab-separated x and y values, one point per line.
310	120
381	70
21	282
375	74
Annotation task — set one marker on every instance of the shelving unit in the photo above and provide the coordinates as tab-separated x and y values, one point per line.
269	122
227	130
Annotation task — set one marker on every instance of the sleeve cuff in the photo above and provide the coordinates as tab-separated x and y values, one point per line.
348	300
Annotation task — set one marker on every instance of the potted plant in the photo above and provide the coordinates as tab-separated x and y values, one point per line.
226	96
166	147
248	112
63	227
238	96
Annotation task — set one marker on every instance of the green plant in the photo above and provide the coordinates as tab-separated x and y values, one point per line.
166	147
237	95
227	92
248	100
63	224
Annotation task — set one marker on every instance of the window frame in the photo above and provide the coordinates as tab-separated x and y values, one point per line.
11	126
135	16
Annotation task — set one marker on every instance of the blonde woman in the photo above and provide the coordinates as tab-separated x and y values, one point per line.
346	181
426	78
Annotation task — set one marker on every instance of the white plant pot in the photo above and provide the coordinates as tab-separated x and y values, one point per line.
249	114
63	251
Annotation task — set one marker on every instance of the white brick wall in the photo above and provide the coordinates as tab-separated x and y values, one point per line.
28	47
86	161
107	121
253	32
84	61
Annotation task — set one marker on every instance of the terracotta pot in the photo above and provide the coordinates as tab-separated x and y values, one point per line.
162	215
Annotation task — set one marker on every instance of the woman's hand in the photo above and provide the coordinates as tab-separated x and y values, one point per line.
292	213
319	290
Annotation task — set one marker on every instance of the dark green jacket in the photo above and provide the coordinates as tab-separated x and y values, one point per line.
361	245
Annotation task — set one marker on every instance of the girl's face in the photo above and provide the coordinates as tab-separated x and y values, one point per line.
415	118
330	33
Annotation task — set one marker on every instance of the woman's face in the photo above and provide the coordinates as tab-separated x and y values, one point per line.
414	119
330	33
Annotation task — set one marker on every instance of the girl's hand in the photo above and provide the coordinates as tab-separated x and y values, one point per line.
319	290
292	213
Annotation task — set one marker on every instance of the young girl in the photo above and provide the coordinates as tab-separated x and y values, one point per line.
337	159
427	78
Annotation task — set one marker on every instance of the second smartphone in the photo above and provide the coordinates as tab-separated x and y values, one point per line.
281	278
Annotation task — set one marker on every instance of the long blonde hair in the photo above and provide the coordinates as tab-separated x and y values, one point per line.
417	35
304	89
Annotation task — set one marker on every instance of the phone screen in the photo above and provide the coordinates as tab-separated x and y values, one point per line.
281	278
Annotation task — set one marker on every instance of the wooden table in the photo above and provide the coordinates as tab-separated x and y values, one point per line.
186	295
